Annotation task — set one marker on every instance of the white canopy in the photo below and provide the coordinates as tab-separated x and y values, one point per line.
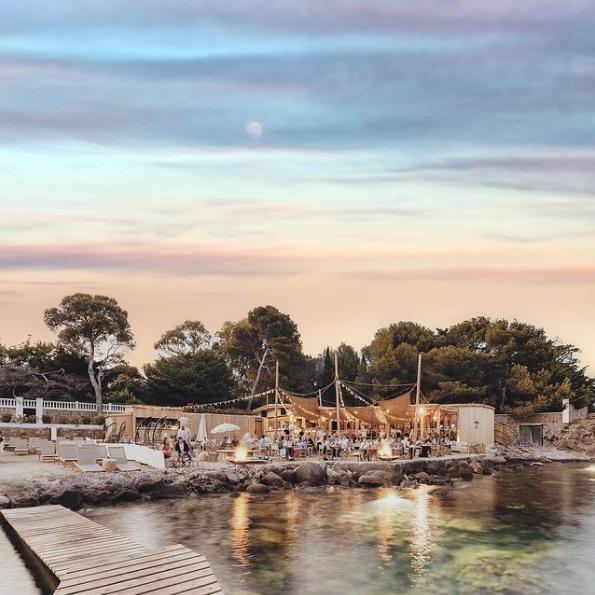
225	427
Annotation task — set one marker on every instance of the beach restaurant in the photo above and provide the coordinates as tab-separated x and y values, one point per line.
471	423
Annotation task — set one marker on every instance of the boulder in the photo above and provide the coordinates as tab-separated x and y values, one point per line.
289	475
168	492
4	502
422	477
311	474
258	488
477	467
68	498
339	477
233	476
272	480
438	480
372	480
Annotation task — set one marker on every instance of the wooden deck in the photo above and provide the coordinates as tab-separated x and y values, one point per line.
89	559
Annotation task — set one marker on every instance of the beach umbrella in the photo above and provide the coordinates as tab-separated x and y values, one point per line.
202	428
224	428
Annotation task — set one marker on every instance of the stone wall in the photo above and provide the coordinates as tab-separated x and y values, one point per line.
43	431
52	416
507	426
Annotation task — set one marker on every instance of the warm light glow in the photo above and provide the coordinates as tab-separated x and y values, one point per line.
384	450
240	454
421	412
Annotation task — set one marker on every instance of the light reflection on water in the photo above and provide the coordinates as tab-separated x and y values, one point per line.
523	532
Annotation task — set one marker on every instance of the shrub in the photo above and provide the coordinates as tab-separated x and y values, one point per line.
46	419
29	419
6	418
86	420
75	420
98	420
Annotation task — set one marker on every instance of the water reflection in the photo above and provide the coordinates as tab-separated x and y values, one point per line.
240	524
421	542
529	532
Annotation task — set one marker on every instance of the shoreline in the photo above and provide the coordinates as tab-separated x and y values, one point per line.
75	490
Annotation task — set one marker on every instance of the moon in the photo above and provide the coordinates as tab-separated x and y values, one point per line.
254	129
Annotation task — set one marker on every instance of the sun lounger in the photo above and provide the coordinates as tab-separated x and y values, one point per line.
67	453
86	460
19	446
100	452
47	451
119	454
34	444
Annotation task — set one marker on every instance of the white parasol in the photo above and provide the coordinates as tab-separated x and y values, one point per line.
224	428
202	428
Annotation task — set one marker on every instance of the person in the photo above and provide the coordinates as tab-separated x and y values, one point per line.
183	451
167	449
183	433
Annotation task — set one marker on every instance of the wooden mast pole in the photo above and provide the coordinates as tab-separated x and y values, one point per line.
337	392
276	398
417	395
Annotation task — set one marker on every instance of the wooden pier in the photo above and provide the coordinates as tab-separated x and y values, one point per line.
89	559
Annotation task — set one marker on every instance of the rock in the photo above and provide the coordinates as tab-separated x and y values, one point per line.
372	480
168	492
272	480
498	459
312	474
466	474
422	476
258	488
477	467
439	480
203	455
289	475
233	476
408	483
4	502
68	498
340	477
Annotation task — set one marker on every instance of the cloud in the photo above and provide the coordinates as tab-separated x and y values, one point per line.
547	275
184	260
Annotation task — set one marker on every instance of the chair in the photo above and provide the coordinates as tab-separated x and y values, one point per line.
119	454
19	446
47	451
34	444
100	452
66	453
86	460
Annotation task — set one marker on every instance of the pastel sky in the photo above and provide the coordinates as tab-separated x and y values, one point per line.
352	163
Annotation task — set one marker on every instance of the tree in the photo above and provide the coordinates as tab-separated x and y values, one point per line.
96	327
252	345
198	378
187	338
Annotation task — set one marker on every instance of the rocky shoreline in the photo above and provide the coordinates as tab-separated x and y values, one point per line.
75	491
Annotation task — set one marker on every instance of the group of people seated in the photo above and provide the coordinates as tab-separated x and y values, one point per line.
327	445
181	450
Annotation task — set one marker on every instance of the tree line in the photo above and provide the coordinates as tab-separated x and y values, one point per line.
513	366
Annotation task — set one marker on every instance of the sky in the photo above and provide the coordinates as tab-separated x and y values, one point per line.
352	163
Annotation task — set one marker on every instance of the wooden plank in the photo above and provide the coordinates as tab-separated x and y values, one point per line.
137	563
93	560
151	583
178	565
